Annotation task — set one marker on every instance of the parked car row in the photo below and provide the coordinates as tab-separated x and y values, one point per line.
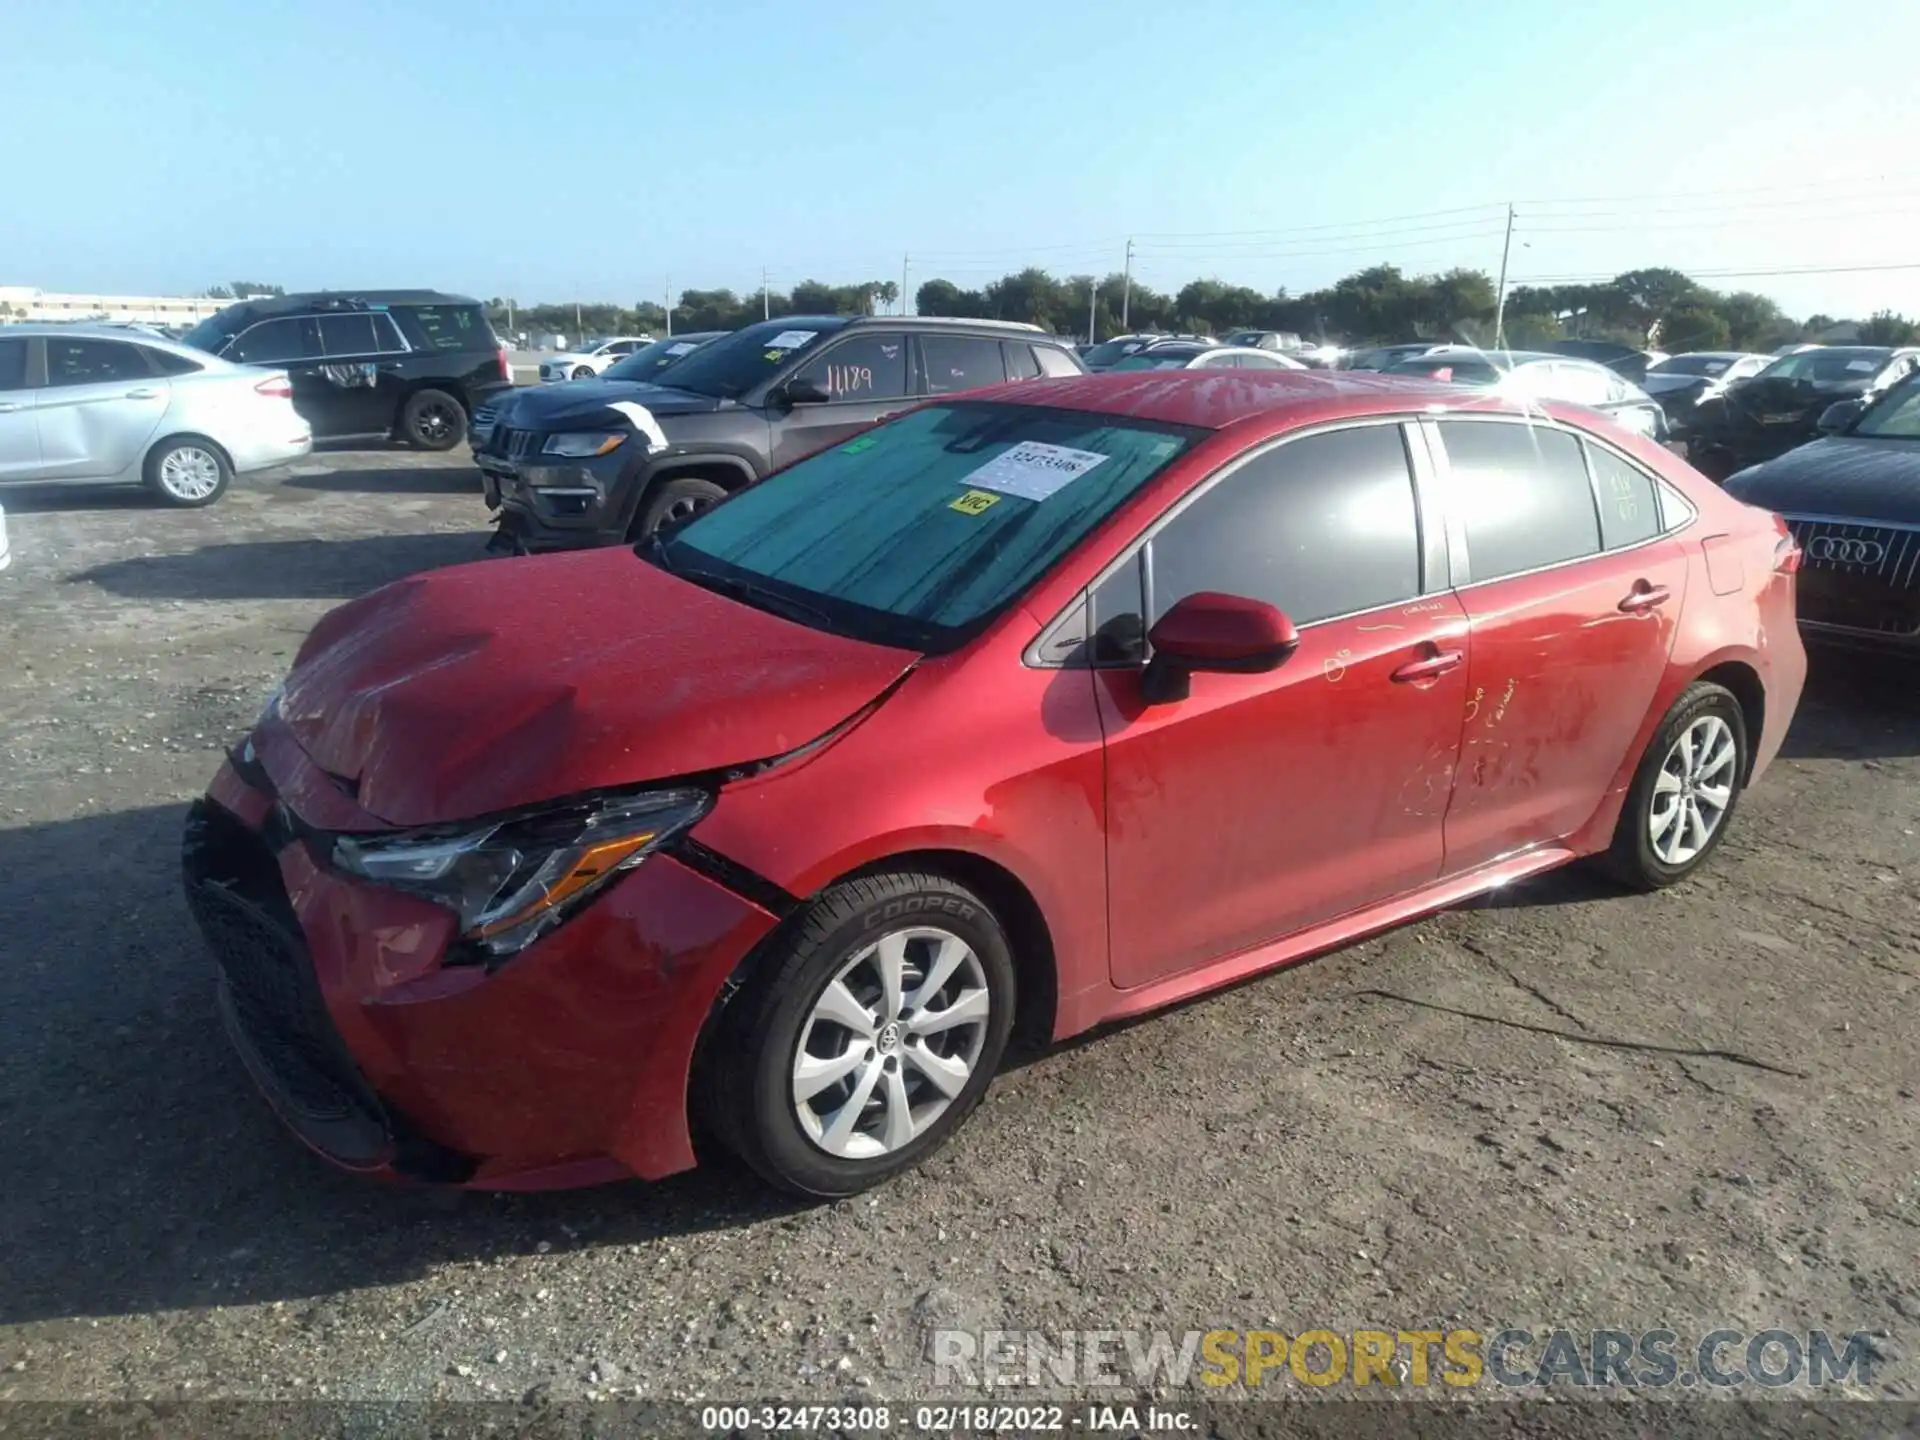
1536	375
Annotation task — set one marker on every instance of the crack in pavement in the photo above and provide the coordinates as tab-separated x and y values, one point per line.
1732	1057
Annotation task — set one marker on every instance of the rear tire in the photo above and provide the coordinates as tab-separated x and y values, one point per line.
1685	793
187	472
826	1077
674	501
433	420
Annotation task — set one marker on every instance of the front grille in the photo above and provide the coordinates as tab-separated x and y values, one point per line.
272	997
1882	557
515	444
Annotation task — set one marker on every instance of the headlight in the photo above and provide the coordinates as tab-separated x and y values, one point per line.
513	880
583	444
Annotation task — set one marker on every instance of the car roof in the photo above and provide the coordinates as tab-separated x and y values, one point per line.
307	299
132	334
1214	400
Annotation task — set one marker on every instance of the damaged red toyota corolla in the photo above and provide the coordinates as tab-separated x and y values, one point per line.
1035	708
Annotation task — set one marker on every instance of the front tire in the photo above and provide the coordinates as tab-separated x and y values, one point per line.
867	1038
1685	792
674	501
433	420
583	372
188	472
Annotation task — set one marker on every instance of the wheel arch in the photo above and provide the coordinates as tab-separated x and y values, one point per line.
1750	690
729	472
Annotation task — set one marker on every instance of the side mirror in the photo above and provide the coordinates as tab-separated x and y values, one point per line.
1208	631
1838	417
801	391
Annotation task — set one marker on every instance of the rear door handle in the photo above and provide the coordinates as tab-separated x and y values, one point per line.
1429	667
7	407
1645	597
141	394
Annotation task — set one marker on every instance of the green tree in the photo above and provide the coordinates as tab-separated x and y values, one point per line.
1754	322
1887	328
1694	325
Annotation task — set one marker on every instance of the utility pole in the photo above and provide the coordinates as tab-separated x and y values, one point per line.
1126	286
578	336
903	284
669	307
766	303
1500	296
1093	297
509	317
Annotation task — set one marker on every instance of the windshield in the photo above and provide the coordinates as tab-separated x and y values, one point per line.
213	332
1161	359
649	360
918	532
1455	370
1897	416
1112	352
1708	365
1834	365
734	364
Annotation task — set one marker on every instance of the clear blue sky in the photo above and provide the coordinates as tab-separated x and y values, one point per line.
554	149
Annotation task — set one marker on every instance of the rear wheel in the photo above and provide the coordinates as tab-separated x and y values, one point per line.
1685	792
432	420
867	1039
188	472
677	500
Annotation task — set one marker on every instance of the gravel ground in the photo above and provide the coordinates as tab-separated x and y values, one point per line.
1568	1108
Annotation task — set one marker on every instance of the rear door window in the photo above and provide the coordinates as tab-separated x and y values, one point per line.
348	334
93	362
274	342
1020	361
1629	507
1320	527
13	364
960	362
868	366
1522	494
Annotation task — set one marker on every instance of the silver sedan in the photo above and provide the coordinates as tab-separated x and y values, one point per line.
97	404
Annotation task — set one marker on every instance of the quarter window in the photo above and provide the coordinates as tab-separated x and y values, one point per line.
274	341
1320	526
866	367
93	362
1522	494
1055	361
960	362
166	362
452	327
1629	509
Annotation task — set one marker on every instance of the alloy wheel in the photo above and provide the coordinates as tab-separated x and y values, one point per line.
1693	790
434	422
685	508
187	472
890	1043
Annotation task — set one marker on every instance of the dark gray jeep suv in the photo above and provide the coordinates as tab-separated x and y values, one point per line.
599	462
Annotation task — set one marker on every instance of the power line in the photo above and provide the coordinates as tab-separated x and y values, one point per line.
1726	274
1708	194
1312	229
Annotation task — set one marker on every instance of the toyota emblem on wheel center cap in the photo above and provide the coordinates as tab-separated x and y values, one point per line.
888	1040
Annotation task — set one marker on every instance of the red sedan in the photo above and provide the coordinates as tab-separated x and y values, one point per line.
1039	707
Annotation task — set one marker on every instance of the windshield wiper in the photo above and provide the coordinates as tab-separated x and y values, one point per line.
762	598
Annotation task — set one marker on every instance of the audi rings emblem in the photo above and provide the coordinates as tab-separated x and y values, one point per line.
1841	551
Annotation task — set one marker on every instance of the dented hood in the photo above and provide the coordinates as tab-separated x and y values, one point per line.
490	686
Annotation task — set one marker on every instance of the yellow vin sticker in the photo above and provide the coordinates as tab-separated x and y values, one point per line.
974	501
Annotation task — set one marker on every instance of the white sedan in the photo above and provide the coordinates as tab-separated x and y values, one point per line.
590	359
1200	355
95	404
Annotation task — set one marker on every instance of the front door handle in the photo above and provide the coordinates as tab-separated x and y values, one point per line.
1645	597
141	394
1428	668
7	407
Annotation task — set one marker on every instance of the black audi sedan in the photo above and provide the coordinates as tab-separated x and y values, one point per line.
1852	499
1781	406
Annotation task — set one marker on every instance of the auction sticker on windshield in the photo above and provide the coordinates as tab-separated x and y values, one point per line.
792	339
1033	470
974	501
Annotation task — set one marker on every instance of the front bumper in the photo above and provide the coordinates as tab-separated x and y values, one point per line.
544	503
567	1065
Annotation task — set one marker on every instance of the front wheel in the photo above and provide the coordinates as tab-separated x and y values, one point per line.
674	501
1685	792
432	420
582	372
188	473
868	1038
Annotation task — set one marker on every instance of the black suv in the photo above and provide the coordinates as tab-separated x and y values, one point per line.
408	364
598	462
